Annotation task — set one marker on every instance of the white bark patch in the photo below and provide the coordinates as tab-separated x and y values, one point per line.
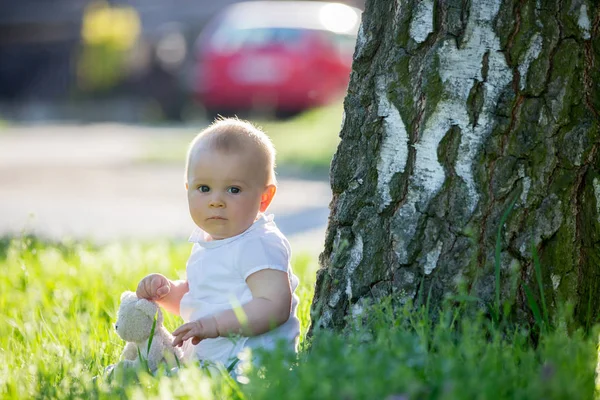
429	174
538	7
405	295
526	187
357	309
459	69
394	147
355	258
409	277
432	258
422	23
325	319
355	255
526	184
405	223
349	288
361	40
596	184
543	119
336	243
584	22
335	298
396	20
555	281
533	52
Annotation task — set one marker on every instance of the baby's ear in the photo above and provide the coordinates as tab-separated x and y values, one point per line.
147	307
267	197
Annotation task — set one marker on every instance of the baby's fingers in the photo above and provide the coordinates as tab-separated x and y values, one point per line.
162	291
141	291
177	340
182	329
179	333
156	283
191	335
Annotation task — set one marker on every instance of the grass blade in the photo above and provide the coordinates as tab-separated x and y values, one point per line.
534	307
143	361
538	275
152	333
233	364
497	254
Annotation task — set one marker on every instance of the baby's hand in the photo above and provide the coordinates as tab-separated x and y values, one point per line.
204	328
153	287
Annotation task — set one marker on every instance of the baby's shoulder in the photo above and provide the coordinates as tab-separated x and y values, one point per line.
265	239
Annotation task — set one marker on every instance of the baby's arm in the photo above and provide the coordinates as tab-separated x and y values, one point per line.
269	308
165	292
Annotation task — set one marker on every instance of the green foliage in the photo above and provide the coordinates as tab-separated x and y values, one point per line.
108	34
58	304
386	353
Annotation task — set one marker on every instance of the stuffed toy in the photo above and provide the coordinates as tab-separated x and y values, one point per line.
134	325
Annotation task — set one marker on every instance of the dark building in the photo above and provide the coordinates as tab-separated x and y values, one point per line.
37	43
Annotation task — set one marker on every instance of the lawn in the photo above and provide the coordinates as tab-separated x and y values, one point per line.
305	143
58	306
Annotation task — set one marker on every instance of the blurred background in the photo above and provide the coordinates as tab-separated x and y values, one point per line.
153	60
99	99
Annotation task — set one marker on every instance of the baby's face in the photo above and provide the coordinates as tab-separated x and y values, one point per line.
224	191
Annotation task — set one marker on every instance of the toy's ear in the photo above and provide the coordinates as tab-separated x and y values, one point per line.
128	296
147	307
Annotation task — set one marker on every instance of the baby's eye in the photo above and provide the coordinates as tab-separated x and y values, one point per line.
203	188
234	190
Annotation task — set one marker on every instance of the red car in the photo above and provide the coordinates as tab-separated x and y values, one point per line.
275	56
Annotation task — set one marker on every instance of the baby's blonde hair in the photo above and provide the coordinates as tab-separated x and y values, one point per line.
235	135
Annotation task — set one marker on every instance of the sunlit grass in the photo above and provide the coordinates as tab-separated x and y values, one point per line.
4	125
58	304
308	141
305	143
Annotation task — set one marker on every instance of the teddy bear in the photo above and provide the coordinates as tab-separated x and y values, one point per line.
134	325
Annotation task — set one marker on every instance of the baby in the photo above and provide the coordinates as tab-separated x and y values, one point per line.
239	277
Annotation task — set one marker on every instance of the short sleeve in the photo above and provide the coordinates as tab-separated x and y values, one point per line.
266	252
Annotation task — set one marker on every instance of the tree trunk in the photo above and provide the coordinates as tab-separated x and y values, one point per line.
457	109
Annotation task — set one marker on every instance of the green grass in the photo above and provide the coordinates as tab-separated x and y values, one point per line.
4	124
308	141
305	144
58	305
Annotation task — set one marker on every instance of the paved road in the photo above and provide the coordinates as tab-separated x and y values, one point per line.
87	182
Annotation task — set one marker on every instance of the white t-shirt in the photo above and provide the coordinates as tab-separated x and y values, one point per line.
217	272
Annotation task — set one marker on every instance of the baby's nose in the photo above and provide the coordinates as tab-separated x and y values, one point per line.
216	202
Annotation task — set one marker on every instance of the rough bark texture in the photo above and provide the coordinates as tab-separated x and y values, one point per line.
455	109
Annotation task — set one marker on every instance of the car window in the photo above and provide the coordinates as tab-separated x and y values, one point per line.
229	40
